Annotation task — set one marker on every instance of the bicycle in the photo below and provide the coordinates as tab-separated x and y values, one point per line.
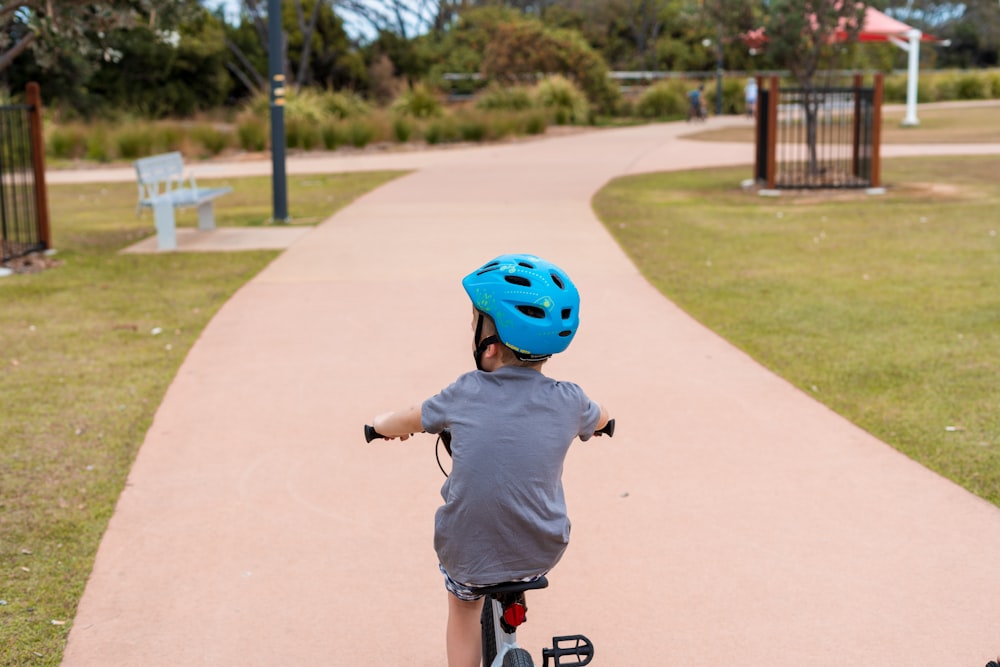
505	608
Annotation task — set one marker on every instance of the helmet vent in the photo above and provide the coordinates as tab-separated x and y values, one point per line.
486	269
567	313
526	265
517	280
563	334
558	281
532	311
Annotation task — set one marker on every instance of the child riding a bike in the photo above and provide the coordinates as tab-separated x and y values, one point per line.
504	515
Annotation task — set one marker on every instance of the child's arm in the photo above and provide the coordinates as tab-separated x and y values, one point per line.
400	424
602	421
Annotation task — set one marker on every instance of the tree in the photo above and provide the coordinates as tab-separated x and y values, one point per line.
51	29
972	27
316	47
802	36
158	73
502	45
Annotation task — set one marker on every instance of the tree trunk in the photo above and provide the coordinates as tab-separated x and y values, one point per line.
810	103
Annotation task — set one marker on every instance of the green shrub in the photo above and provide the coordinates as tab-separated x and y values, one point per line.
970	86
535	123
993	85
402	129
894	89
360	132
252	133
302	133
501	98
944	87
472	127
307	105
98	148
344	105
334	135
563	99
500	125
135	141
665	99
68	142
441	130
168	136
419	102
211	139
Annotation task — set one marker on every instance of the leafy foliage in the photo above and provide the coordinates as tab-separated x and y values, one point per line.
51	29
504	46
801	34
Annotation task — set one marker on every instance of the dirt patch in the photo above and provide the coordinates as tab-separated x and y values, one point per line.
935	191
34	262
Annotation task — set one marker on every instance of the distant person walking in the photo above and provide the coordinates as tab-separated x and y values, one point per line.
696	106
750	97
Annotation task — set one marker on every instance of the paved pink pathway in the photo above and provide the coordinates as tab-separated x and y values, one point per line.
732	520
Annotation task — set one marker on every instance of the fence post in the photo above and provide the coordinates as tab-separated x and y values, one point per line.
33	96
772	132
856	138
877	132
760	137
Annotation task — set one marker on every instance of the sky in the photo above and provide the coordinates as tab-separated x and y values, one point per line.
232	9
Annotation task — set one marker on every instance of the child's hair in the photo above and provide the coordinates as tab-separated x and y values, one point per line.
506	354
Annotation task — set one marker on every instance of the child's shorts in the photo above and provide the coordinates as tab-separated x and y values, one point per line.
468	592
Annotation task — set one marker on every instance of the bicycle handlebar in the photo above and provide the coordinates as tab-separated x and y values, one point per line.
372	434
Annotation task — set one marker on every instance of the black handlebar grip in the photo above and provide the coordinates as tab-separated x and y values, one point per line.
609	429
371	433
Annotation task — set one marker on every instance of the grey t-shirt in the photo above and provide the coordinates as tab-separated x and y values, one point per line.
504	516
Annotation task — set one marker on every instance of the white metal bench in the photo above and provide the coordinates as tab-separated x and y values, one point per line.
164	187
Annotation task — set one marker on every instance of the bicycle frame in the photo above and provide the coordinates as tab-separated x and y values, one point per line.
504	610
503	640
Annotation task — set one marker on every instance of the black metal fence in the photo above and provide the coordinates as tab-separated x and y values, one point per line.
819	138
23	207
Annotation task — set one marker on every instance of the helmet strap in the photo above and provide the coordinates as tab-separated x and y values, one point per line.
481	345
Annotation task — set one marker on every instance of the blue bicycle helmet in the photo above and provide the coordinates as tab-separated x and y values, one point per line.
535	306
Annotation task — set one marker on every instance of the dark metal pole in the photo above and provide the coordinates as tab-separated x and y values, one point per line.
718	74
279	185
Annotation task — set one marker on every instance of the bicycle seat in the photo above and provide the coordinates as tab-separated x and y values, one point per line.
514	587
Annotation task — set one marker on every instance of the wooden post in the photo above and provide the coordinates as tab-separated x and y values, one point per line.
33	96
877	132
758	133
772	132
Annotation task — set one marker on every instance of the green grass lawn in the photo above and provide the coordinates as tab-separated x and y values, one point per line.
87	350
885	308
938	125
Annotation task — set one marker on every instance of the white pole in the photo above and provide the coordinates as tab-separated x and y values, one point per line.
911	77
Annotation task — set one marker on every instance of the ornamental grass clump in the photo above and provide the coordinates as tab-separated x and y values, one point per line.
663	100
419	102
505	98
563	100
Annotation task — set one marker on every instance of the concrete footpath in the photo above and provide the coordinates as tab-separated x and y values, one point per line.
732	519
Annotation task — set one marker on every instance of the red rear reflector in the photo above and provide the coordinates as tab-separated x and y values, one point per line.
515	614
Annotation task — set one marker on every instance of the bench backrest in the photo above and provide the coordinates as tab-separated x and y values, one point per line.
159	174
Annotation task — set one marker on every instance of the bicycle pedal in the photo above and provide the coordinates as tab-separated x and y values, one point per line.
570	650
